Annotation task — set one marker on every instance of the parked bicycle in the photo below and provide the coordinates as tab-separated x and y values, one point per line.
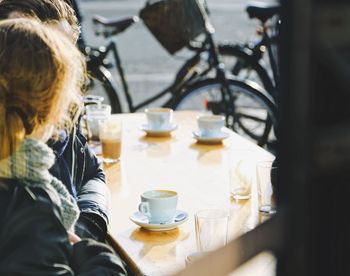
247	60
248	110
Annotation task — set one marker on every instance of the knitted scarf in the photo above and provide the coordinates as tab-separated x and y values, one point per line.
30	164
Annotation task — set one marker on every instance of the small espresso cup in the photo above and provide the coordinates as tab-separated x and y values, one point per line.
210	125
159	118
159	206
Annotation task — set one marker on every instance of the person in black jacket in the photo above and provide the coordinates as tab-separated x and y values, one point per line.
41	74
30	212
76	165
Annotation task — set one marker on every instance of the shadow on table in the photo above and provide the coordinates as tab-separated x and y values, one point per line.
203	150
151	239
156	237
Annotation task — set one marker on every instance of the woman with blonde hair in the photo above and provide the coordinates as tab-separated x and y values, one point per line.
41	74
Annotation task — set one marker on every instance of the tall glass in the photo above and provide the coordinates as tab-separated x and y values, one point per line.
110	131
96	113
241	169
211	229
265	191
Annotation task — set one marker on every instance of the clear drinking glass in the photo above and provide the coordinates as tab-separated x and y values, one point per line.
92	99
110	131
211	229
88	100
241	169
264	171
94	114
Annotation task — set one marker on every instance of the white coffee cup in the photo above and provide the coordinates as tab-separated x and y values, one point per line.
159	205
210	125
159	118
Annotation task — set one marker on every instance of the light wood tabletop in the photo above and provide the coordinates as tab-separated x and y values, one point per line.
197	172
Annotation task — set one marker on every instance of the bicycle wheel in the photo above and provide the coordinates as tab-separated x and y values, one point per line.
101	83
240	62
251	114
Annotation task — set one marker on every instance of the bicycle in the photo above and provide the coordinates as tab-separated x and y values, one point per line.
232	97
246	60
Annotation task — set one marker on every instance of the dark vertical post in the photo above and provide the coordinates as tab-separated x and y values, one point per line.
314	151
294	145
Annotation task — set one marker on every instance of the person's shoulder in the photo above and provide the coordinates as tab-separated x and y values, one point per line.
59	143
18	196
28	219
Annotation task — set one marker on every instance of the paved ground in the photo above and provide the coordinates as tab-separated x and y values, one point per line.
148	66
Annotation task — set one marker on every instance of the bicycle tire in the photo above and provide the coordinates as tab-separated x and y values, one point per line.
101	79
240	62
255	114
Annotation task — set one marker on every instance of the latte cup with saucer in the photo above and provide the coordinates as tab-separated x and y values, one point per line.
159	206
159	118
210	126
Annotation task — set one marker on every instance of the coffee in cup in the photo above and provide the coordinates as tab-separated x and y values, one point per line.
159	206
210	125
159	118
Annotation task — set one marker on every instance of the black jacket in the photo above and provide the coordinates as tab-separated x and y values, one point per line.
33	240
80	170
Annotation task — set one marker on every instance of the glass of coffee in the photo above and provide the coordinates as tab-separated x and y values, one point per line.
96	113
110	132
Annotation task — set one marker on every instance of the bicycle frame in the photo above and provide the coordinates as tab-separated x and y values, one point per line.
181	80
221	76
258	50
190	74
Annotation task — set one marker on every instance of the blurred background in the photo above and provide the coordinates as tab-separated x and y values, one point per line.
149	67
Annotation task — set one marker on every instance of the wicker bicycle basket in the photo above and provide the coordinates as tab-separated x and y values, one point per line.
174	23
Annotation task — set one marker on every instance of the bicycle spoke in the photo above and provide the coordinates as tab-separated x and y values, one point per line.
250	117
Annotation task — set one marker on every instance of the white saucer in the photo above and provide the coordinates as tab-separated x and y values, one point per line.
158	132
210	140
141	220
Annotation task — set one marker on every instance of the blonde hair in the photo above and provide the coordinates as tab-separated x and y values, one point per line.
46	11
41	75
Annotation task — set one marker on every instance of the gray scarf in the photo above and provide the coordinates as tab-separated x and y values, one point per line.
30	164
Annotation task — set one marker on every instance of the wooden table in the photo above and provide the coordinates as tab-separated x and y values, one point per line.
199	173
